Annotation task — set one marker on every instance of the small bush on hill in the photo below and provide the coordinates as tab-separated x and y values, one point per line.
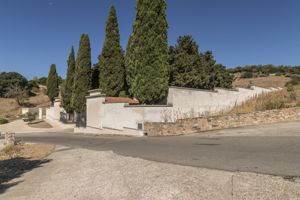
3	121
295	81
247	75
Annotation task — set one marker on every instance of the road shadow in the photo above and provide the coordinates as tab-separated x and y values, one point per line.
14	168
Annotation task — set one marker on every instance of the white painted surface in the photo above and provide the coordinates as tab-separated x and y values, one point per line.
53	113
119	118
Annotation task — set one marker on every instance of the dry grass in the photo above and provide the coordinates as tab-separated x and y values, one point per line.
27	151
274	100
10	109
276	81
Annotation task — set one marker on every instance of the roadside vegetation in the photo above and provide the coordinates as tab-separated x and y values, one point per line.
3	121
287	98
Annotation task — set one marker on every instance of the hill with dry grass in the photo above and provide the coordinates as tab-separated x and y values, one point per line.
285	98
270	81
10	109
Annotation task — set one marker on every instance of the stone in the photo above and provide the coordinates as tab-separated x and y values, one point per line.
10	139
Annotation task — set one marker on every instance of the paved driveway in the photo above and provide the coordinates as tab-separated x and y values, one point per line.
269	149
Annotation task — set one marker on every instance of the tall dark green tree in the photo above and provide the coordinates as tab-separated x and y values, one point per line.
147	56
68	92
217	75
111	60
95	76
190	68
52	83
186	69
82	78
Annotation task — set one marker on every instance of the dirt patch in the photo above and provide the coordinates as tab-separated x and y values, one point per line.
9	108
276	81
27	151
19	159
40	124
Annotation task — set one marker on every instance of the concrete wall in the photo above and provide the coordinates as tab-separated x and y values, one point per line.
121	116
199	102
32	110
94	118
183	103
53	113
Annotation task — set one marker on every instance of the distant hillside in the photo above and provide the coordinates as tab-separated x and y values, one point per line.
266	70
271	81
10	109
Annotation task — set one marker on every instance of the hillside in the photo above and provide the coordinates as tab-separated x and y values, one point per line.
270	81
10	109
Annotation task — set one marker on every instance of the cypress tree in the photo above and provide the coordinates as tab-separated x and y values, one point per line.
82	78
52	83
95	76
111	60
67	98
147	61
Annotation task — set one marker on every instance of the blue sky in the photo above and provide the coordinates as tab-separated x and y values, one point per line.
36	33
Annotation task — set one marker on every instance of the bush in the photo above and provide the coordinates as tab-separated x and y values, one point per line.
295	81
30	116
247	75
290	87
3	121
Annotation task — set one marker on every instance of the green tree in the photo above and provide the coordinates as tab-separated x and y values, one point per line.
111	60
52	83
186	68
147	56
68	91
82	78
11	79
95	76
190	68
216	74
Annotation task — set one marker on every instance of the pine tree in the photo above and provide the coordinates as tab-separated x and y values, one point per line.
111	60
147	56
185	64
82	78
52	83
192	69
68	92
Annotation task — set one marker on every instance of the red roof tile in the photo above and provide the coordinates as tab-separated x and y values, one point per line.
121	100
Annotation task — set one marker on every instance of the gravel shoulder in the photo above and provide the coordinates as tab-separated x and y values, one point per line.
87	175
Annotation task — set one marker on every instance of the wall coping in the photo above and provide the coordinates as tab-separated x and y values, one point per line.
228	89
96	96
148	106
193	89
95	90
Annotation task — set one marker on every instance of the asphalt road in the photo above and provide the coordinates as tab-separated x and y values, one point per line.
270	149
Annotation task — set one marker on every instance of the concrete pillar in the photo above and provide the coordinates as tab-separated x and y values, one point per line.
40	113
10	139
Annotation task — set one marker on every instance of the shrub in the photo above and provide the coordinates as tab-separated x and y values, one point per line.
290	87
293	96
247	75
295	81
30	116
3	121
